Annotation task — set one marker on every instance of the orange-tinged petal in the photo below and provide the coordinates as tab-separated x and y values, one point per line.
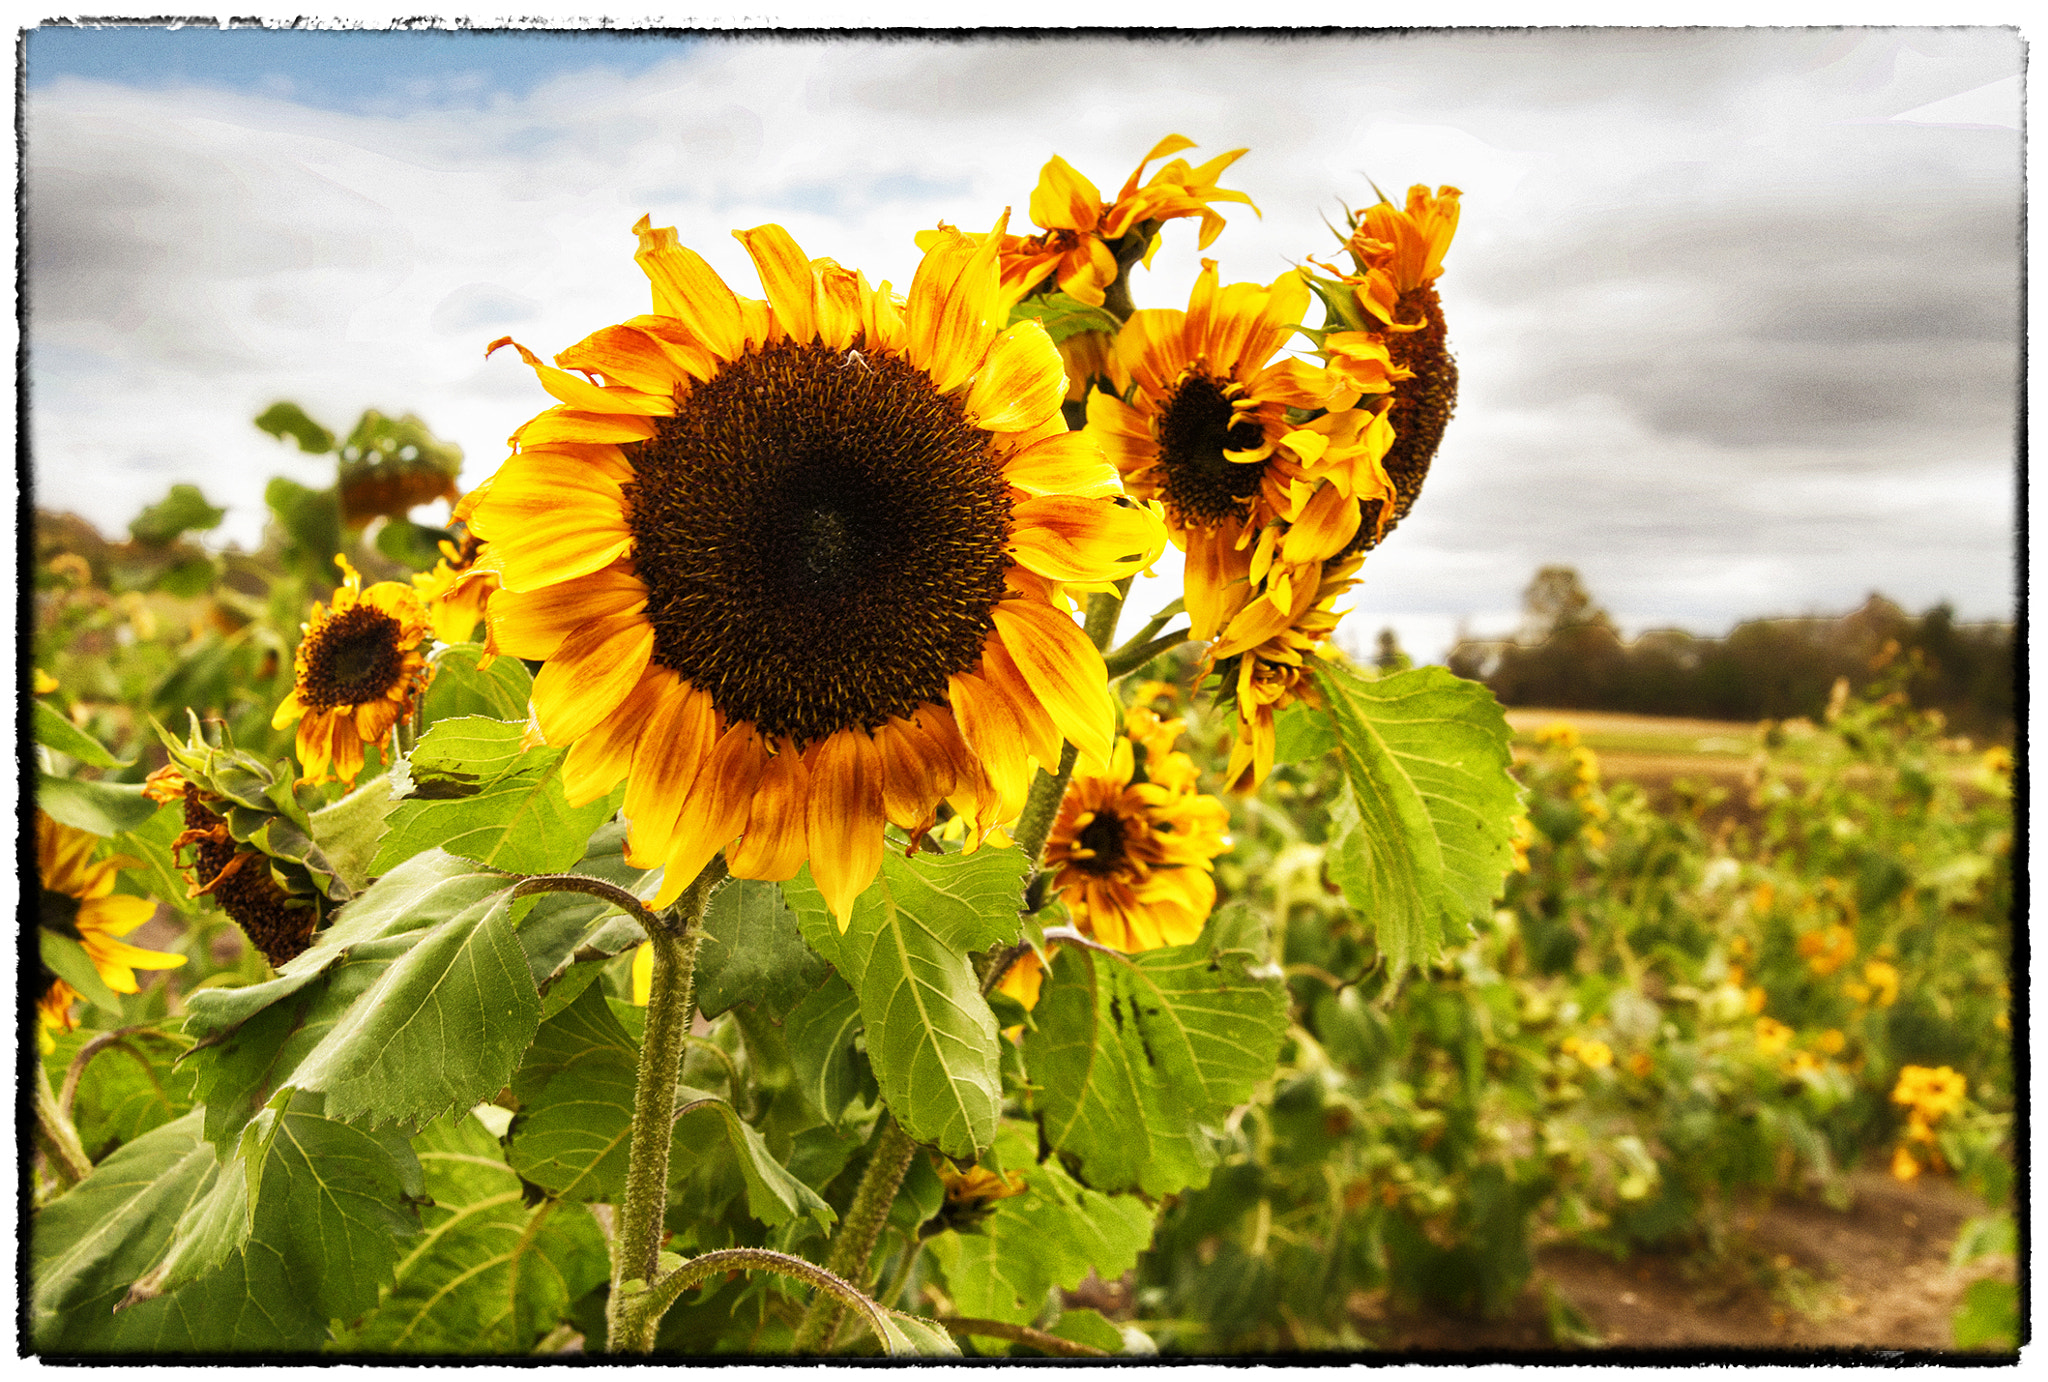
596	667
774	844
567	424
843	818
688	289
716	808
1064	670
1022	382
288	710
1067	538
671	752
1327	522
998	737
948	312
624	355
1214	579
1041	734
315	744
532	624
1066	463
1153	348
577	392
916	771
599	760
116	915
785	277
1064	199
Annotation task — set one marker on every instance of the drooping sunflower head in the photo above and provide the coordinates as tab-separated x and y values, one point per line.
454	592
77	902
794	565
1263	662
1131	850
359	671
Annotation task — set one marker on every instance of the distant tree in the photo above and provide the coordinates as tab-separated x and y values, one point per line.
1390	658
1557	599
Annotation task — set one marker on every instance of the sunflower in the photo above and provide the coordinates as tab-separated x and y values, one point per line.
359	672
454	593
1262	660
1399	254
1132	848
79	902
796	566
279	923
1260	463
1079	249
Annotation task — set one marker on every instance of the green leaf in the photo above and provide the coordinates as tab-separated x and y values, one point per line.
410	544
283	420
1064	317
183	510
55	732
89	1245
554	927
1135	1056
442	1028
311	520
824	1033
66	958
128	1088
1425	841
930	1035
331	1202
348	831
459	688
1053	1235
256	1303
1088	1327
1302	732
475	793
1989	1316
908	1336
575	1089
425	890
187	578
489	1274
100	808
753	951
774	1196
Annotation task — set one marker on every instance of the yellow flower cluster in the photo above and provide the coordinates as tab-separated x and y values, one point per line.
1828	949
1772	1036
1594	1054
1880	982
1929	1094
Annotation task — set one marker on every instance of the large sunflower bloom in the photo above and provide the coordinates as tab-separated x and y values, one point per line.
1399	255
78	901
1078	249
795	565
1261	463
1132	848
359	672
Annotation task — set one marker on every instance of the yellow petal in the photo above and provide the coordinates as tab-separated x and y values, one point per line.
1065	672
774	844
567	424
1022	382
1068	463
952	299
643	973
999	739
717	805
1067	538
1063	199
671	751
532	624
843	818
599	760
577	392
596	667
625	355
785	277
688	289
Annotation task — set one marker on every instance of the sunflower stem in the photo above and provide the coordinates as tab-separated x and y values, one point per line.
636	1242
664	1292
56	1137
854	1244
1130	658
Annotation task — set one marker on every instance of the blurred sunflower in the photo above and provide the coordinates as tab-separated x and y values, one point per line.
1078	250
78	901
1131	851
454	593
795	565
1260	463
359	672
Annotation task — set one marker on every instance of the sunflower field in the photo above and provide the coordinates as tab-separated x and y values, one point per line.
732	890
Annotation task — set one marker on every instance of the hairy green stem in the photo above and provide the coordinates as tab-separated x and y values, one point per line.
609	892
656	1300
671	1002
56	1137
1133	655
855	1241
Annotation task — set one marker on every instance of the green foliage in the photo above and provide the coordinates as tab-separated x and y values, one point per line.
55	732
183	510
930	1034
459	688
753	952
470	789
1422	838
1989	1316
1135	1057
1064	317
310	521
283	420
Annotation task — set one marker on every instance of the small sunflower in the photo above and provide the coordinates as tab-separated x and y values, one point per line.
972	1195
360	672
454	593
1078	251
795	565
1262	658
1261	461
1398	329
78	901
1132	849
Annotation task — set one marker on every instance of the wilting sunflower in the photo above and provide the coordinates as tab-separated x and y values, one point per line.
795	565
78	901
1132	849
971	1195
1261	463
1399	254
279	923
360	672
1264	667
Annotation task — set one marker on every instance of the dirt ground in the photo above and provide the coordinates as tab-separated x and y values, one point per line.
1794	1275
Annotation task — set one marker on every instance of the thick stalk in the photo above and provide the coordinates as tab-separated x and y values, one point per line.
671	1003
1022	1334
55	1136
855	1241
700	1269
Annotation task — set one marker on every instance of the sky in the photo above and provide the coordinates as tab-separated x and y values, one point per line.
1736	311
